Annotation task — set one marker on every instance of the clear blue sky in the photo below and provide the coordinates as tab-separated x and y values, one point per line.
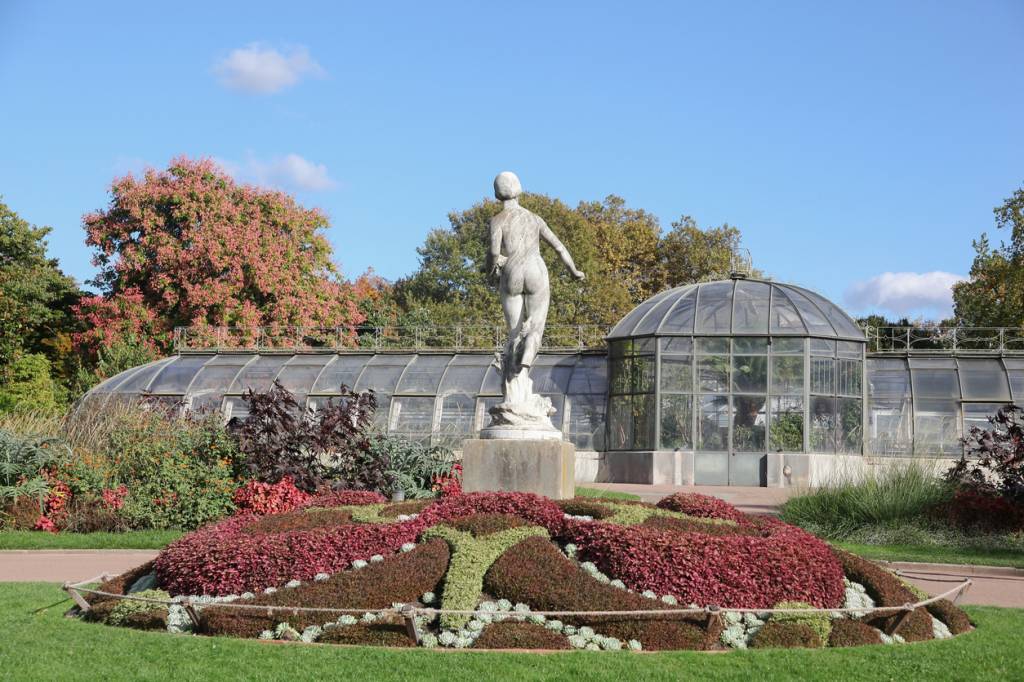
845	140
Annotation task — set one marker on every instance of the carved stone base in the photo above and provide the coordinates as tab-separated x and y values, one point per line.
544	467
523	414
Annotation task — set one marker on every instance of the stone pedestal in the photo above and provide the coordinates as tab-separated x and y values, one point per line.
545	467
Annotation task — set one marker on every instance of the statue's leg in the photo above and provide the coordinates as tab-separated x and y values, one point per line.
536	319
512	304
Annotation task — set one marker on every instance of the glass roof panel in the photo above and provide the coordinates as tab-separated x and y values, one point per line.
551	373
679	320
843	323
1015	373
424	374
650	323
134	380
176	376
934	378
259	374
783	317
750	308
813	318
344	370
492	382
714	308
626	324
888	378
218	373
465	374
983	379
590	375
299	374
382	373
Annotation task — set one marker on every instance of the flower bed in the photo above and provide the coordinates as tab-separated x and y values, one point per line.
499	558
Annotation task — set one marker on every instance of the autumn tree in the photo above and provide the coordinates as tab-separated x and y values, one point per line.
994	294
190	246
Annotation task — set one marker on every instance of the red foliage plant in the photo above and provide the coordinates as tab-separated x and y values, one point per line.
783	563
973	508
703	506
343	498
259	498
450	484
533	508
113	498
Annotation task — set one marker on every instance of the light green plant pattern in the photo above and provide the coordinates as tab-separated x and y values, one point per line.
817	621
471	557
128	607
634	514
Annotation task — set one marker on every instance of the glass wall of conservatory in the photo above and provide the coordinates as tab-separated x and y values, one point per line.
732	371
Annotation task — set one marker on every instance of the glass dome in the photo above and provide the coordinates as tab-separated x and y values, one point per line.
735	307
734	370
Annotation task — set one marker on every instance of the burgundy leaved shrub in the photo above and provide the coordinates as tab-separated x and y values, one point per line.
534	508
344	498
786	635
784	563
704	506
256	497
847	632
520	636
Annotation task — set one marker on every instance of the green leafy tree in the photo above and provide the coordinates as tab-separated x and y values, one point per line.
35	297
690	254
29	387
994	294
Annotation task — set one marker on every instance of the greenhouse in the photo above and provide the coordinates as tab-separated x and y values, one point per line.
734	382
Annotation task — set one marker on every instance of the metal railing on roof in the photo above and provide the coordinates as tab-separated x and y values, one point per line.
367	338
945	340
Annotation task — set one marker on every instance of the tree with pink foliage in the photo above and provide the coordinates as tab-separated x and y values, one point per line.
188	246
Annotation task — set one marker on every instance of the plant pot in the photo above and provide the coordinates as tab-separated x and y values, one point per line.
398	495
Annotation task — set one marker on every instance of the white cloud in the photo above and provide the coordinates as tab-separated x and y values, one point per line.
288	172
909	294
263	70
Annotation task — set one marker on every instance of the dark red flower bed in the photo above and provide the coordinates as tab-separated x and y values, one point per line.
533	508
704	506
785	564
696	526
520	636
343	498
305	519
486	524
537	573
783	635
979	510
400	578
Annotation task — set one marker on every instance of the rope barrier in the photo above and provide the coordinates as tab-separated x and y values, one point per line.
76	589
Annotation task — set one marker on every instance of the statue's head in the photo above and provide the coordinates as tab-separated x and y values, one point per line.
506	186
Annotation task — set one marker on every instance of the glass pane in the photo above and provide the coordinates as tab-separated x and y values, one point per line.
677	344
586	422
750	345
139	380
1015	373
936	427
483	409
813	318
677	373
458	415
412	415
839	319
712	346
750	309
551	373
784	346
590	375
643	422
680	319
343	371
976	415
492	381
889	426
714	308
205	403
626	326
823	424
218	373
934	382
650	323
823	347
235	408
851	349
851	425
259	374
620	427
787	375
382	373
823	379
557	402
299	374
983	379
848	377
713	423
787	424
176	376
750	373
424	374
620	369
784	318
380	415
748	425
642	374
676	422
888	378
713	373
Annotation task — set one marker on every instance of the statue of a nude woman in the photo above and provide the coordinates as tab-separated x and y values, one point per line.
525	295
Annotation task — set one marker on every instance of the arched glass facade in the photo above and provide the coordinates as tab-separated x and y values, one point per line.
734	370
440	398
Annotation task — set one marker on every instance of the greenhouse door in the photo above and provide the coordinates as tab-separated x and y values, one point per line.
730	441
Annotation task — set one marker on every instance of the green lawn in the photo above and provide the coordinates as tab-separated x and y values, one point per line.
607	494
39	643
135	539
935	554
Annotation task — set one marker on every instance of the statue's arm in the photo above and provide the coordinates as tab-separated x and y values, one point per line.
497	260
563	253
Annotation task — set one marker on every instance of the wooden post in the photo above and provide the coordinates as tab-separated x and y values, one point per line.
77	596
193	615
409	613
713	621
897	622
